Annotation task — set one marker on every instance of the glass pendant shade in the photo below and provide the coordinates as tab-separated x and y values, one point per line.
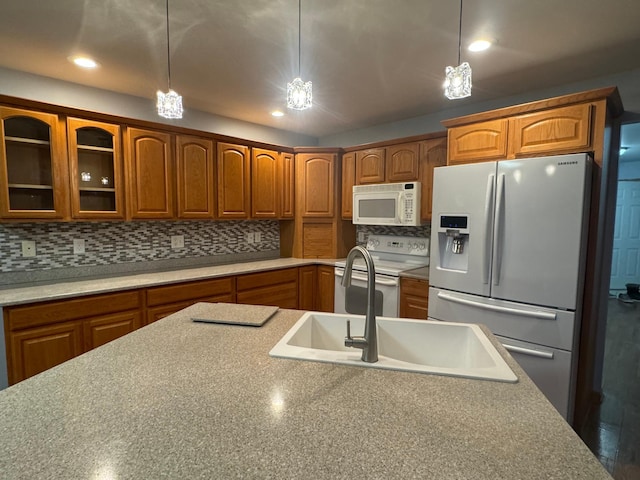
299	96
457	82
169	104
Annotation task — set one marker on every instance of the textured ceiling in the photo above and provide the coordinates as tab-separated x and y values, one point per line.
371	61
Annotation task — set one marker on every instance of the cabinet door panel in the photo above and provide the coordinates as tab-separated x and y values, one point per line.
195	168
370	166
556	130
433	153
150	175
288	186
348	181
233	181
38	349
100	330
34	175
414	298
326	289
265	183
307	287
318	184
402	162
478	142
191	290
278	287
95	169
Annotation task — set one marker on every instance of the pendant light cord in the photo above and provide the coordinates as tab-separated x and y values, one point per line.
459	34
168	49
299	35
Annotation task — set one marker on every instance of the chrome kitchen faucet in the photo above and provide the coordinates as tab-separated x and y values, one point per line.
369	342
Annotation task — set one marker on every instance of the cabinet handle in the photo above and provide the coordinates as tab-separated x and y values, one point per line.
528	351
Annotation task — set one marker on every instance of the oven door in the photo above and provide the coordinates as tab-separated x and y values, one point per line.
387	293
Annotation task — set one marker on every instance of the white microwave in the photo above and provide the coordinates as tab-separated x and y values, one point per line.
387	204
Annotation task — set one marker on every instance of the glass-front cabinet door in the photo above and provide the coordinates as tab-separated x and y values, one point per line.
33	165
95	166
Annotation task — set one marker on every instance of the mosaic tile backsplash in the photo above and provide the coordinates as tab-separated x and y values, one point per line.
132	245
363	231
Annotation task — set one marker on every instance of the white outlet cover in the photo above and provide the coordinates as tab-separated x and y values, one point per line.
78	246
28	248
257	236
177	241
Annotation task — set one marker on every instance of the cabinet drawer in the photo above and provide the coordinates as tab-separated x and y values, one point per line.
279	288
26	316
189	290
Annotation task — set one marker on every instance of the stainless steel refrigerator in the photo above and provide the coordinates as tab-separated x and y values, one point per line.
508	248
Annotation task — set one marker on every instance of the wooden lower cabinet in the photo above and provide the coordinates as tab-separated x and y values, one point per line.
316	288
100	330
165	300
35	350
326	289
414	298
42	335
274	287
45	334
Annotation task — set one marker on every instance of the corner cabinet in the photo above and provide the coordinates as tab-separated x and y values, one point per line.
433	153
149	174
233	181
317	184
95	169
195	177
33	165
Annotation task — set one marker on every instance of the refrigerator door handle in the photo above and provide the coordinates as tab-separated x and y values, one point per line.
528	351
488	215
498	234
498	308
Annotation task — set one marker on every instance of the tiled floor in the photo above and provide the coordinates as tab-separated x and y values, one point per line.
613	432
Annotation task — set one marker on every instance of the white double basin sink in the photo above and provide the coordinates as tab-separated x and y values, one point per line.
423	346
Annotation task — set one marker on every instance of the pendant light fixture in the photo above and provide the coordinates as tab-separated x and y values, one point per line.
457	82
170	103
299	95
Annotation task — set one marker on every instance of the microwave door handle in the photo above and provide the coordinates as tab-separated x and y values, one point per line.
488	216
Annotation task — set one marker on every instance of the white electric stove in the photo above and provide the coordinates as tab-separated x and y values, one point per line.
391	256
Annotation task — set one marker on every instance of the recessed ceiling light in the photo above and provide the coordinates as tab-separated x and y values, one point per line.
277	113
479	45
84	62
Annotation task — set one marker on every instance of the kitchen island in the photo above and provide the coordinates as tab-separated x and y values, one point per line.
179	399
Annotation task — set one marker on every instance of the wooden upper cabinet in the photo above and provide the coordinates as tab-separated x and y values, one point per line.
348	181
478	142
150	177
287	203
95	169
34	175
195	177
266	183
555	130
402	162
232	168
370	166
433	153
316	172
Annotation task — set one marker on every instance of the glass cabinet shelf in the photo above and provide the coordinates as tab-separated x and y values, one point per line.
31	141
30	186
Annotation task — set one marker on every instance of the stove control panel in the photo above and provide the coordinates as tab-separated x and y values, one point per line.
417	246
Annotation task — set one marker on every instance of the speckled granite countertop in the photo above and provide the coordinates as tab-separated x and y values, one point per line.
421	273
178	399
66	289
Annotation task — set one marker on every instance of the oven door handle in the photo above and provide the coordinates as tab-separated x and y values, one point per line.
363	278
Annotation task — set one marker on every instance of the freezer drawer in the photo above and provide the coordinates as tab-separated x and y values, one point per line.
543	326
549	368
